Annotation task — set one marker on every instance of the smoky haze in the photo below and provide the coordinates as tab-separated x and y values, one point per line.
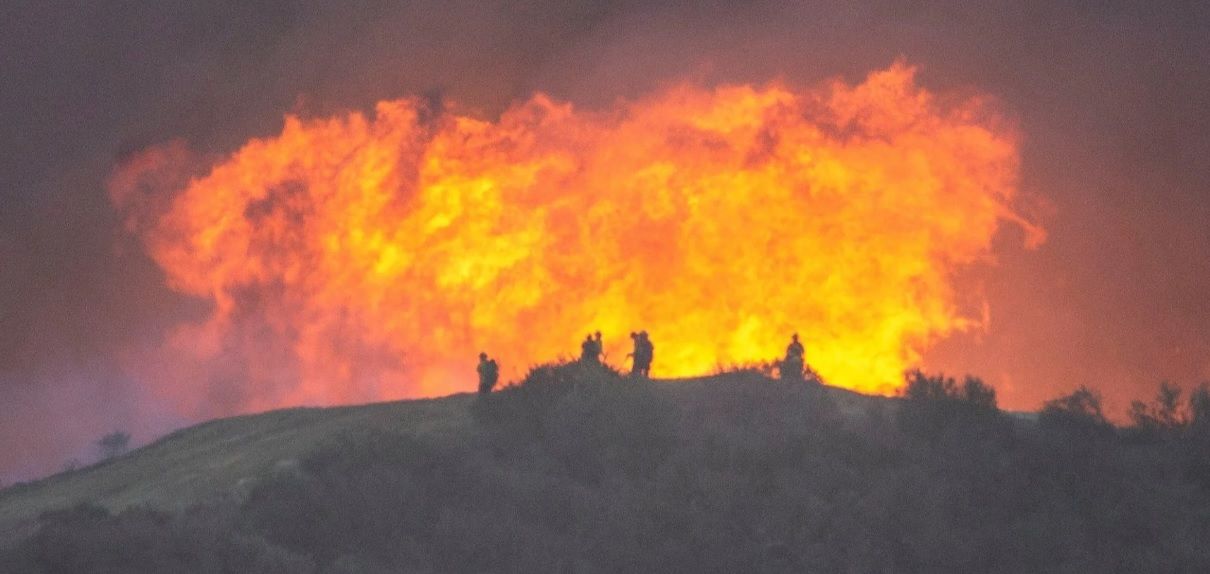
1113	101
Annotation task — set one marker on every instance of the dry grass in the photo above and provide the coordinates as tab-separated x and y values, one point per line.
219	458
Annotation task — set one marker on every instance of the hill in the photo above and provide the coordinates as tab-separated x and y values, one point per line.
580	470
225	457
218	458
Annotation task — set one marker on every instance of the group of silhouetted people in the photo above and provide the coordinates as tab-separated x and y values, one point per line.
592	352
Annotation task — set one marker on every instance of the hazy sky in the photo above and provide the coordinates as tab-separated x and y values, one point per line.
1112	99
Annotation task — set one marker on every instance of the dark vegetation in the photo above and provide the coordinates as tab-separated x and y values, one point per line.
579	469
113	445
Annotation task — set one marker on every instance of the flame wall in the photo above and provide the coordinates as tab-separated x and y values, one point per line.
363	257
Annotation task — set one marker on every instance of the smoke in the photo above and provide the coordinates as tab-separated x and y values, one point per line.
1109	100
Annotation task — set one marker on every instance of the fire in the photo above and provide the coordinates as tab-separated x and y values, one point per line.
365	257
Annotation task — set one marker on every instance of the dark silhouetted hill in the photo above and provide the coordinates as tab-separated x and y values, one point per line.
581	470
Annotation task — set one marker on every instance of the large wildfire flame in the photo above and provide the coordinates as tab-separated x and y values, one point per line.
357	258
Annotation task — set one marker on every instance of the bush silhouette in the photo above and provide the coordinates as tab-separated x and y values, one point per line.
88	538
114	444
933	405
1164	417
522	410
1199	411
1079	413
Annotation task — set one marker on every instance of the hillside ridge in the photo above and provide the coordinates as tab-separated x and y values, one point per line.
217	458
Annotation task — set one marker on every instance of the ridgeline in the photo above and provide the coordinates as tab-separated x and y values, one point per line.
579	469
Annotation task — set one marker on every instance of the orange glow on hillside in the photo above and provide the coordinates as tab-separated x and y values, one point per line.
365	257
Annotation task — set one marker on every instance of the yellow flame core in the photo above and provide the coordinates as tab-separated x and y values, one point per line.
720	220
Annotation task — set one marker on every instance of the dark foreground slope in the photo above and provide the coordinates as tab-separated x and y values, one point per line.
580	471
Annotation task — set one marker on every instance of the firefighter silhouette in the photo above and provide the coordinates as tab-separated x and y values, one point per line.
489	374
590	350
643	354
792	366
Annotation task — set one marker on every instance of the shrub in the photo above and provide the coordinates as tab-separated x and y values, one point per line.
933	405
978	394
921	388
375	495
520	411
1199	411
1163	418
113	444
88	538
1079	412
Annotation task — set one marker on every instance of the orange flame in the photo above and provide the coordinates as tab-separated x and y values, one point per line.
357	258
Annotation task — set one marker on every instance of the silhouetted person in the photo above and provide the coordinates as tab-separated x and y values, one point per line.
599	348
792	365
643	353
795	348
636	354
589	353
648	353
489	374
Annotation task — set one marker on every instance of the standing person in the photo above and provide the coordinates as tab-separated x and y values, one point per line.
588	351
599	348
792	365
636	355
795	348
489	374
644	354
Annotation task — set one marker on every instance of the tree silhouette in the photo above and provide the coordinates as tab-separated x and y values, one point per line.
1164	416
1199	410
1079	411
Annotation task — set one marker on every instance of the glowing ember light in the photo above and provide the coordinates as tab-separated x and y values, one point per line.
359	258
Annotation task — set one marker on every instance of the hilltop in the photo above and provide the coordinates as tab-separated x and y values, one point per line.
225	457
580	470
